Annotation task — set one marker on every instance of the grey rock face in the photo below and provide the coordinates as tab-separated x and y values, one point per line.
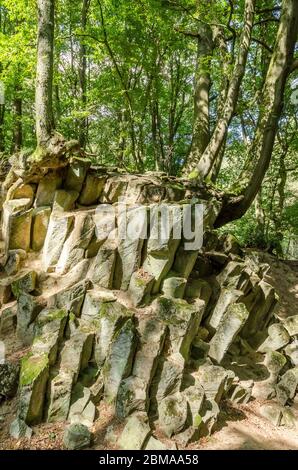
9	380
19	428
135	433
76	436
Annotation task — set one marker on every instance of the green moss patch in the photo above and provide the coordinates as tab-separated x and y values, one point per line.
31	367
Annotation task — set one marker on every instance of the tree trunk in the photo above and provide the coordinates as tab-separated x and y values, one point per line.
18	128
260	220
2	140
2	114
201	122
205	164
82	76
270	111
44	72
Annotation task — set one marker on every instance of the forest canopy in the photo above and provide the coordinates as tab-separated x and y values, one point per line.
205	90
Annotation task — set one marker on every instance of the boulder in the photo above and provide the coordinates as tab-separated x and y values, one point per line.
94	299
132	230
71	298
49	329
260	306
173	286
28	309
199	349
291	351
76	352
133	393
118	363
183	320
15	207
92	189
24	191
278	337
74	247
155	444
168	377
64	201
184	261
76	436
40	222
19	429
131	397
274	361
5	291
215	380
58	229
76	173
112	316
97	389
33	380
17	229
228	328
172	414
114	189
226	298
140	287
241	392
163	241
9	380
59	396
102	270
291	325
81	410
13	263
231	274
209	413
46	190
194	395
24	283
272	412
288	418
8	317
135	433
287	386
198	288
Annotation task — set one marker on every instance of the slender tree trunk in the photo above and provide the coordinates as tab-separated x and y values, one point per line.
2	114
203	167
270	111
44	72
260	219
82	76
18	128
201	122
2	139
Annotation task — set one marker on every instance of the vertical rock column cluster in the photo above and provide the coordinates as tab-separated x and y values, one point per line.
142	323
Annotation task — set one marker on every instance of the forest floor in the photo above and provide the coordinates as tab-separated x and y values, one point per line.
240	426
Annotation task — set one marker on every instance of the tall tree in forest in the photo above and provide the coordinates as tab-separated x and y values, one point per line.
50	144
82	75
272	100
203	167
44	73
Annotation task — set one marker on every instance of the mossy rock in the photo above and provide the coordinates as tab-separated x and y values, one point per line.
32	367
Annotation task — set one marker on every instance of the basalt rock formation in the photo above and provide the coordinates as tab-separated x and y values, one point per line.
161	333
